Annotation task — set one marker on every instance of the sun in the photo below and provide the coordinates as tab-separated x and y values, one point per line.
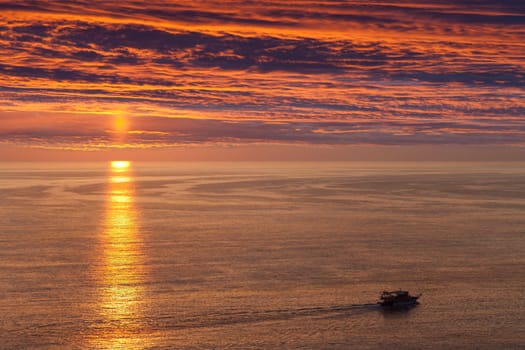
121	165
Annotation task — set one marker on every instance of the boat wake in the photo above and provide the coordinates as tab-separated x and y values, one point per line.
215	319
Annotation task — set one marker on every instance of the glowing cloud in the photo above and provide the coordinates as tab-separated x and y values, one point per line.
235	72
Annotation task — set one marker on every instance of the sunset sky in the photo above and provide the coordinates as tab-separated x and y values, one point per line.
264	79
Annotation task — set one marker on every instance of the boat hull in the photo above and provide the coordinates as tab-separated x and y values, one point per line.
391	304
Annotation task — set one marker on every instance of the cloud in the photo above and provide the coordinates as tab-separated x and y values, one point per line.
82	131
335	72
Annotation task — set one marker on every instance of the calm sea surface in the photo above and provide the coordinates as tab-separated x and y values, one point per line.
261	255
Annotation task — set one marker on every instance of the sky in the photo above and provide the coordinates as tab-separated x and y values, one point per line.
266	79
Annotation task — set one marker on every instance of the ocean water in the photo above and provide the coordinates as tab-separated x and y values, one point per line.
261	255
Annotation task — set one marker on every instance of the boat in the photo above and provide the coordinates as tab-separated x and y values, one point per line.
398	299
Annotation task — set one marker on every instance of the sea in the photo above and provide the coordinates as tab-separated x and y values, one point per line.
130	255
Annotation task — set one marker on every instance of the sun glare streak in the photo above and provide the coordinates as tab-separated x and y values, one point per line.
120	124
122	273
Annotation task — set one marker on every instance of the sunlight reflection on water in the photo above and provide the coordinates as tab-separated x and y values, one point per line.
262	256
122	272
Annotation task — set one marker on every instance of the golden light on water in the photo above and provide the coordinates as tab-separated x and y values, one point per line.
120	179
122	294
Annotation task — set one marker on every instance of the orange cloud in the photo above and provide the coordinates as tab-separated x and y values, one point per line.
409	72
